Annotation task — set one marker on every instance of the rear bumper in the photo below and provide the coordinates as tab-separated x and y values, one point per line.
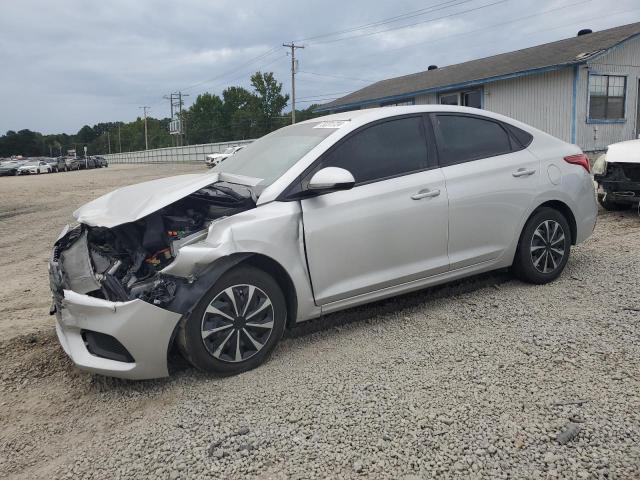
143	329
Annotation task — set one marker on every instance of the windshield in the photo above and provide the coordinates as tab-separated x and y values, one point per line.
270	156
228	150
31	163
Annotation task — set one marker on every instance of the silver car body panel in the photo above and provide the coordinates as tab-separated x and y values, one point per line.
143	329
273	230
367	238
343	248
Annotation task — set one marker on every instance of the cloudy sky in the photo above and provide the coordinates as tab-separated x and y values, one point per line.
67	63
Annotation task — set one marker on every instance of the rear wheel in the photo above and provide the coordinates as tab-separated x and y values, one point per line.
237	323
611	205
544	247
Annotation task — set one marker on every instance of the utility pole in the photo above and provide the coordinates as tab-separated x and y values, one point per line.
177	125
183	124
109	141
119	140
294	67
146	140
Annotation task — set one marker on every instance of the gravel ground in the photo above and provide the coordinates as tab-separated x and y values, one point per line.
486	378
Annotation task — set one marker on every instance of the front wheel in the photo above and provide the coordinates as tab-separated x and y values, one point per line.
544	247
237	323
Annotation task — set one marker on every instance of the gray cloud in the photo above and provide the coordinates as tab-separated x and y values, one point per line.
68	63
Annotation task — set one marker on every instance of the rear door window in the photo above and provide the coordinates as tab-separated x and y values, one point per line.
465	138
388	149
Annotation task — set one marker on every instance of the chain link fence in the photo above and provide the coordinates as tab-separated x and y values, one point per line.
186	154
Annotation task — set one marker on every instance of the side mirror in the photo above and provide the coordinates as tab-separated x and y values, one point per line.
331	179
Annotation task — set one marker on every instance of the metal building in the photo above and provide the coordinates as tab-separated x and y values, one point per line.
583	89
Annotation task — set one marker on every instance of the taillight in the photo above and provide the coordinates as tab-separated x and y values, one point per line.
580	159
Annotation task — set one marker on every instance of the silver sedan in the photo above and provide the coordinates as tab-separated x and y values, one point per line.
314	218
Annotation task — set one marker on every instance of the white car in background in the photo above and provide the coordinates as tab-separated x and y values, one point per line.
34	166
618	175
214	159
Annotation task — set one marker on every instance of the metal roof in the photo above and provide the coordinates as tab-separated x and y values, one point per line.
549	56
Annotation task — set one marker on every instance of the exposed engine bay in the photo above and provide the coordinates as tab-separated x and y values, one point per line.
124	262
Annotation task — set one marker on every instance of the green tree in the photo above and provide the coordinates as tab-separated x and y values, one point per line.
235	124
270	101
204	119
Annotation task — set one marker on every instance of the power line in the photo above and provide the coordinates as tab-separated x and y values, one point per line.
404	16
260	67
235	69
325	95
335	76
495	25
411	24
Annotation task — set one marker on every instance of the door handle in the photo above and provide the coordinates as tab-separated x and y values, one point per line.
523	172
426	193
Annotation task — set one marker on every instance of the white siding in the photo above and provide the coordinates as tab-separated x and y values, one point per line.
622	60
542	101
426	99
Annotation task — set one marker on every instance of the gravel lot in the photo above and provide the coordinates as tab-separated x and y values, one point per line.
486	378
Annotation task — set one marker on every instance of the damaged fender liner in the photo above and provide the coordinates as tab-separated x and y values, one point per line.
188	294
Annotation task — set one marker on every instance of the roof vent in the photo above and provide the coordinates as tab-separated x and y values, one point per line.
585	31
432	67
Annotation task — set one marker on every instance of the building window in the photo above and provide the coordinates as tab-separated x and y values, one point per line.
449	99
606	97
410	101
471	98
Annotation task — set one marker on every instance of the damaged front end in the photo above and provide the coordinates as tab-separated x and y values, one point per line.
125	262
620	182
116	306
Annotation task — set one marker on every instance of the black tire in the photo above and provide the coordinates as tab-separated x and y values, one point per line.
611	205
537	259
201	353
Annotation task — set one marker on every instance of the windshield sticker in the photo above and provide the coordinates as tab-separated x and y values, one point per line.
331	124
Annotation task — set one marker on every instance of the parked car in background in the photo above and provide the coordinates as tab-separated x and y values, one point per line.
9	168
214	159
56	164
34	167
71	163
617	173
101	162
316	217
86	163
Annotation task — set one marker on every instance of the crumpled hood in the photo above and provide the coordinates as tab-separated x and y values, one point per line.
624	152
131	203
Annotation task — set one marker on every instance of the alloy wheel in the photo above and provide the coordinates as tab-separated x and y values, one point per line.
548	246
237	323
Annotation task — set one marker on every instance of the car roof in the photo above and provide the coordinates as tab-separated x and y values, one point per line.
372	114
362	117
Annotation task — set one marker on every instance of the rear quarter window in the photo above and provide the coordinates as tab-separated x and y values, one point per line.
522	137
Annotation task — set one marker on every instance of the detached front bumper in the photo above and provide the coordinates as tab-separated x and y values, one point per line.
142	329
